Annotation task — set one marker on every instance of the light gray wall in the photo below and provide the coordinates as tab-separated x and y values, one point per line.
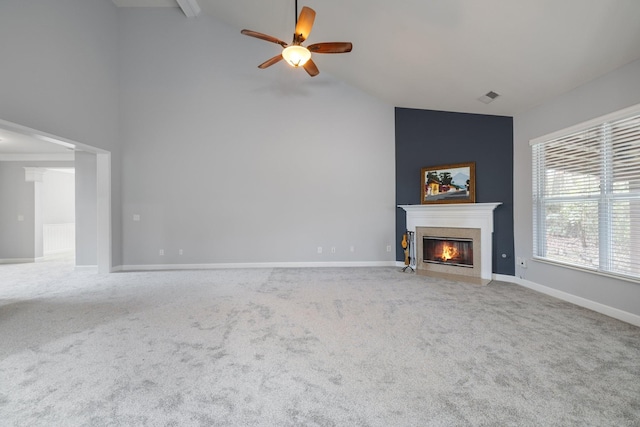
60	75
614	91
86	209
17	198
235	164
38	248
58	197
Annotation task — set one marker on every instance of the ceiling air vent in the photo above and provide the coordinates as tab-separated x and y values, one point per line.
488	97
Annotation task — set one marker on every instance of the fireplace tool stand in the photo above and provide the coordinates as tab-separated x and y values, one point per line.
409	251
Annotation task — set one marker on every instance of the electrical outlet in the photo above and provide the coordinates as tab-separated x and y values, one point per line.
180	252
388	248
333	249
161	252
136	217
319	249
352	249
522	262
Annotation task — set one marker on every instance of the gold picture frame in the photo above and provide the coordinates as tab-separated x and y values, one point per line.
454	183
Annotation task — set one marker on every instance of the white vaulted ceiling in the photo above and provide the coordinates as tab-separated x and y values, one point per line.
444	55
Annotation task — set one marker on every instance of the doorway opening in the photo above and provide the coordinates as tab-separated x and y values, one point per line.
94	238
59	213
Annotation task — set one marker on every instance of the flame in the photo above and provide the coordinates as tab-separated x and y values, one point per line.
448	252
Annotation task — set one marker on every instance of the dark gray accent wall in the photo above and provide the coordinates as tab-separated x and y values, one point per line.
430	138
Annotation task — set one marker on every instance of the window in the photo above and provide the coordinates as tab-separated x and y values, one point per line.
586	195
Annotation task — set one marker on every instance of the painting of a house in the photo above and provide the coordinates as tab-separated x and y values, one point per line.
448	184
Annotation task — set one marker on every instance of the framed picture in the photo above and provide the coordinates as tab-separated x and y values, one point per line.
449	183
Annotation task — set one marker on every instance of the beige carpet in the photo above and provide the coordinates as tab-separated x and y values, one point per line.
304	347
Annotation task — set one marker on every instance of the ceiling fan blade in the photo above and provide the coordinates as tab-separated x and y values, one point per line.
261	36
332	47
304	25
270	62
311	68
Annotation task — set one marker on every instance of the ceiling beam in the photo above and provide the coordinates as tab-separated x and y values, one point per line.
191	8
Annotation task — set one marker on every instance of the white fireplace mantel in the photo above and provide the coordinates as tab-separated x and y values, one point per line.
458	215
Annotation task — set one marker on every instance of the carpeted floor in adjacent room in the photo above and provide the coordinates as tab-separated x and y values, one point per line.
304	347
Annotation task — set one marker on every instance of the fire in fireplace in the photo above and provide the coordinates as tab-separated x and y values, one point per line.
447	250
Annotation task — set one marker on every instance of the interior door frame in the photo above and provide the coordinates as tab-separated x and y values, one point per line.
103	190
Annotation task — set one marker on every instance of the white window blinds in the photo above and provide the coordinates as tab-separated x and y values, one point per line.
586	197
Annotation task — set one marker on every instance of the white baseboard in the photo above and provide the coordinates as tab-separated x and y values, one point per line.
163	267
16	260
616	313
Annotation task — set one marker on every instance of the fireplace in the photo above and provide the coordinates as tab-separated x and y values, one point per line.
448	251
471	223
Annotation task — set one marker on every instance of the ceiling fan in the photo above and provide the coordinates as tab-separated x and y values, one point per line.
295	54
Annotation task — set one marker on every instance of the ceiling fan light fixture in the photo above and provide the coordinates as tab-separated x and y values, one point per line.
296	55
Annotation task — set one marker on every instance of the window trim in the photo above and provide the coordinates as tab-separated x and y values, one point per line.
565	132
